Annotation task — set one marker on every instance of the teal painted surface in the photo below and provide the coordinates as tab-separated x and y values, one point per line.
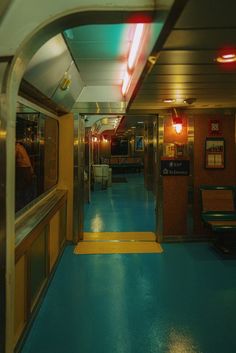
100	41
124	207
183	301
97	33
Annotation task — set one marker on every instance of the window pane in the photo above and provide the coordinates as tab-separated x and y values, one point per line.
50	153
36	156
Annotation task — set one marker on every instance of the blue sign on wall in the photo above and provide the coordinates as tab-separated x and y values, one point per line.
175	167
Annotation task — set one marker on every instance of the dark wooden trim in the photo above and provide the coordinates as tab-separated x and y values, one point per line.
6	59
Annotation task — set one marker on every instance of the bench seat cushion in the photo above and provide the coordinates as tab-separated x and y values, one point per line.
221	222
223	226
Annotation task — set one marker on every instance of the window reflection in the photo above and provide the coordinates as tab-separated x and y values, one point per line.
36	156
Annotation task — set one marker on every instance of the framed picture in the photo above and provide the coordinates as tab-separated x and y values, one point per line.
215	153
214	127
139	143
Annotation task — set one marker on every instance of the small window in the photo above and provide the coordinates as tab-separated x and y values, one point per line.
36	157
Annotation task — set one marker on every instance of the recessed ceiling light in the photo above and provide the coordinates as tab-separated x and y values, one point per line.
226	58
168	100
140	122
189	100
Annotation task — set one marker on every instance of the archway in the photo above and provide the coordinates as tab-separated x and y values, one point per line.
13	72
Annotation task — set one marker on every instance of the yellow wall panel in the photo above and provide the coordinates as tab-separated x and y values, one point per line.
66	164
54	239
20	297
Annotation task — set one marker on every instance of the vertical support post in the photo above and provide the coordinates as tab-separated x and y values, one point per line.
7	211
79	146
159	192
191	176
2	227
76	181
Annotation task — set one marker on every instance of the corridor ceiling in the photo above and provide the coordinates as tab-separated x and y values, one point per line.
186	66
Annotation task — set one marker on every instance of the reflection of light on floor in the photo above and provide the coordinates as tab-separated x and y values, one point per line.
97	224
182	342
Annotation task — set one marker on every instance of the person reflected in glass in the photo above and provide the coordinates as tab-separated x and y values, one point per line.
24	176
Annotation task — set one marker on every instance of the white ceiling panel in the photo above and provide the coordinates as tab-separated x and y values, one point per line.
103	75
103	82
48	66
97	50
100	94
100	51
101	65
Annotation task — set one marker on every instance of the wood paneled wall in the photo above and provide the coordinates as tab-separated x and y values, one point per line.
226	176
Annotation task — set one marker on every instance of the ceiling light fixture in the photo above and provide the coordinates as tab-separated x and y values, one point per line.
132	58
226	58
177	122
135	45
189	100
65	82
125	84
168	100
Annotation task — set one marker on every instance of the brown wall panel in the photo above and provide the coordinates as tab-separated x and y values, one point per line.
175	205
175	188
226	176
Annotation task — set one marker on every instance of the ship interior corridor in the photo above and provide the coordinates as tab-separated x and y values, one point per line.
117	178
125	206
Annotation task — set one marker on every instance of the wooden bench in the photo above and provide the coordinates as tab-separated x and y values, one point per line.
218	212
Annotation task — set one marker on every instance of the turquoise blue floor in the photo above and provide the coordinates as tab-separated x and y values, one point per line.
181	301
124	207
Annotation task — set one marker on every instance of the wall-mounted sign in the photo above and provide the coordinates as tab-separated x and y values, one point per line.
215	153
139	143
172	150
214	127
175	167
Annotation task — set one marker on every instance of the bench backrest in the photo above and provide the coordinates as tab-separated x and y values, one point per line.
221	200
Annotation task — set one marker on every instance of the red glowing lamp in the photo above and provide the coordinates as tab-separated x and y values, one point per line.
177	122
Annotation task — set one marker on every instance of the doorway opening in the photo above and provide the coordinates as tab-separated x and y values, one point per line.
120	178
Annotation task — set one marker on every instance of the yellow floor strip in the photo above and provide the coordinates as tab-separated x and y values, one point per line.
117	248
144	236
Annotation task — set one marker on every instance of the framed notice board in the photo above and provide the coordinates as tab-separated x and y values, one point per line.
215	153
